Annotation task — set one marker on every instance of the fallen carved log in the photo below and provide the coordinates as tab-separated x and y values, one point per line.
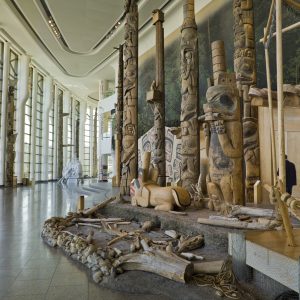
234	224
165	264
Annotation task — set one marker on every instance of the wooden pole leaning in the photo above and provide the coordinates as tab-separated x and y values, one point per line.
271	117
281	138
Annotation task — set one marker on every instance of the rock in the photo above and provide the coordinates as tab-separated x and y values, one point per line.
97	276
171	233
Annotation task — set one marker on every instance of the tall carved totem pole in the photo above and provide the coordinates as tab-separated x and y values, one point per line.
130	85
245	69
157	97
119	116
190	142
10	138
223	134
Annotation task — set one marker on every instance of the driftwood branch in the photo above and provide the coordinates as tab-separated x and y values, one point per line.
159	262
90	211
252	211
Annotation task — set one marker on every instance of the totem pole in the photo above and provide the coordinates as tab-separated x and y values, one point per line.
223	134
245	69
95	168
190	149
60	137
119	117
156	97
130	86
10	138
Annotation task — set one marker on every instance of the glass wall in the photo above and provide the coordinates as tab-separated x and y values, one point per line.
1	76
51	139
39	127
70	130
87	142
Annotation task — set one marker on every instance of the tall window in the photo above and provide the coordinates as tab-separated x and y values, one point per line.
1	75
87	142
39	127
27	127
70	130
51	139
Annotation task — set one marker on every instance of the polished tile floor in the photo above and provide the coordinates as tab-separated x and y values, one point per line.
29	269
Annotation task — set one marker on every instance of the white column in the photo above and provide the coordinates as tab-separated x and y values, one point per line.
66	109
33	126
20	114
91	140
83	107
48	101
55	176
3	111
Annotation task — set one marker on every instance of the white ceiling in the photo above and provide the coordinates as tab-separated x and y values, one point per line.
83	23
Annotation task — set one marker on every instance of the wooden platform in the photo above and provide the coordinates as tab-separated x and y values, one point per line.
269	253
276	241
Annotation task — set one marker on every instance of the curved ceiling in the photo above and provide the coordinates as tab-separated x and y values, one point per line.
84	23
87	55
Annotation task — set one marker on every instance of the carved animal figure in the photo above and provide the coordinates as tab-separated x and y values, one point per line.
147	193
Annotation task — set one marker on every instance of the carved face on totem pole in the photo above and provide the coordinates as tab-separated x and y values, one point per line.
223	100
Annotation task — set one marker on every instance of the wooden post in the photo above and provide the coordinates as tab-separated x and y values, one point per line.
80	204
245	69
257	192
119	117
190	142
156	97
271	118
281	137
130	84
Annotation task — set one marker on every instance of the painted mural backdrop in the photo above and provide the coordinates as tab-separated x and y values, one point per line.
173	150
215	25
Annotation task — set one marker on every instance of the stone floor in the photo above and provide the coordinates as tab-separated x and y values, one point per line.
31	270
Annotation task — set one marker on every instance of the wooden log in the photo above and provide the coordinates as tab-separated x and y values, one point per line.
208	267
90	220
90	225
229	224
162	263
252	211
90	211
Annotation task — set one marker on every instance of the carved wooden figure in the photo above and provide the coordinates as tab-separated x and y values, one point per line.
157	98
190	150
130	85
245	69
119	116
10	137
147	193
223	134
